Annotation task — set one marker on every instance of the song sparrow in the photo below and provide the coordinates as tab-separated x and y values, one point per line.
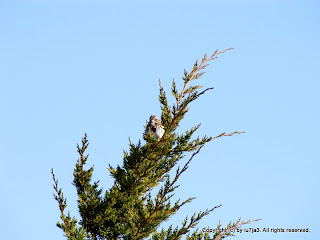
155	126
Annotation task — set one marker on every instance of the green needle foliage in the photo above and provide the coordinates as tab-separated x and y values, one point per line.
127	210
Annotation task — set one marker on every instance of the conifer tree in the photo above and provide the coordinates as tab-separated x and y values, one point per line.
127	210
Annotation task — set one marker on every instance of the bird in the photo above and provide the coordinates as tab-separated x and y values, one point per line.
154	126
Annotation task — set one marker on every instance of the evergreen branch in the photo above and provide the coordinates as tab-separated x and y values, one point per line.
180	109
231	227
198	236
178	232
195	72
195	220
88	195
165	109
68	225
185	167
150	150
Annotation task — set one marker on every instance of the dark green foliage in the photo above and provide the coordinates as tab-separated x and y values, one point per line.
127	210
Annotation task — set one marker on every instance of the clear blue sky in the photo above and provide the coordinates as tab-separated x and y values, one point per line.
73	67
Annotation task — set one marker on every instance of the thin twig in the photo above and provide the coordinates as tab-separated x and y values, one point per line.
224	134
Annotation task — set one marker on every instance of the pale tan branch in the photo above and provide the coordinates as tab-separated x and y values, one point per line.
224	134
202	65
234	227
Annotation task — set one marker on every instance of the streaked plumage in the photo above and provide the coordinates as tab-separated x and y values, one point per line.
154	125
